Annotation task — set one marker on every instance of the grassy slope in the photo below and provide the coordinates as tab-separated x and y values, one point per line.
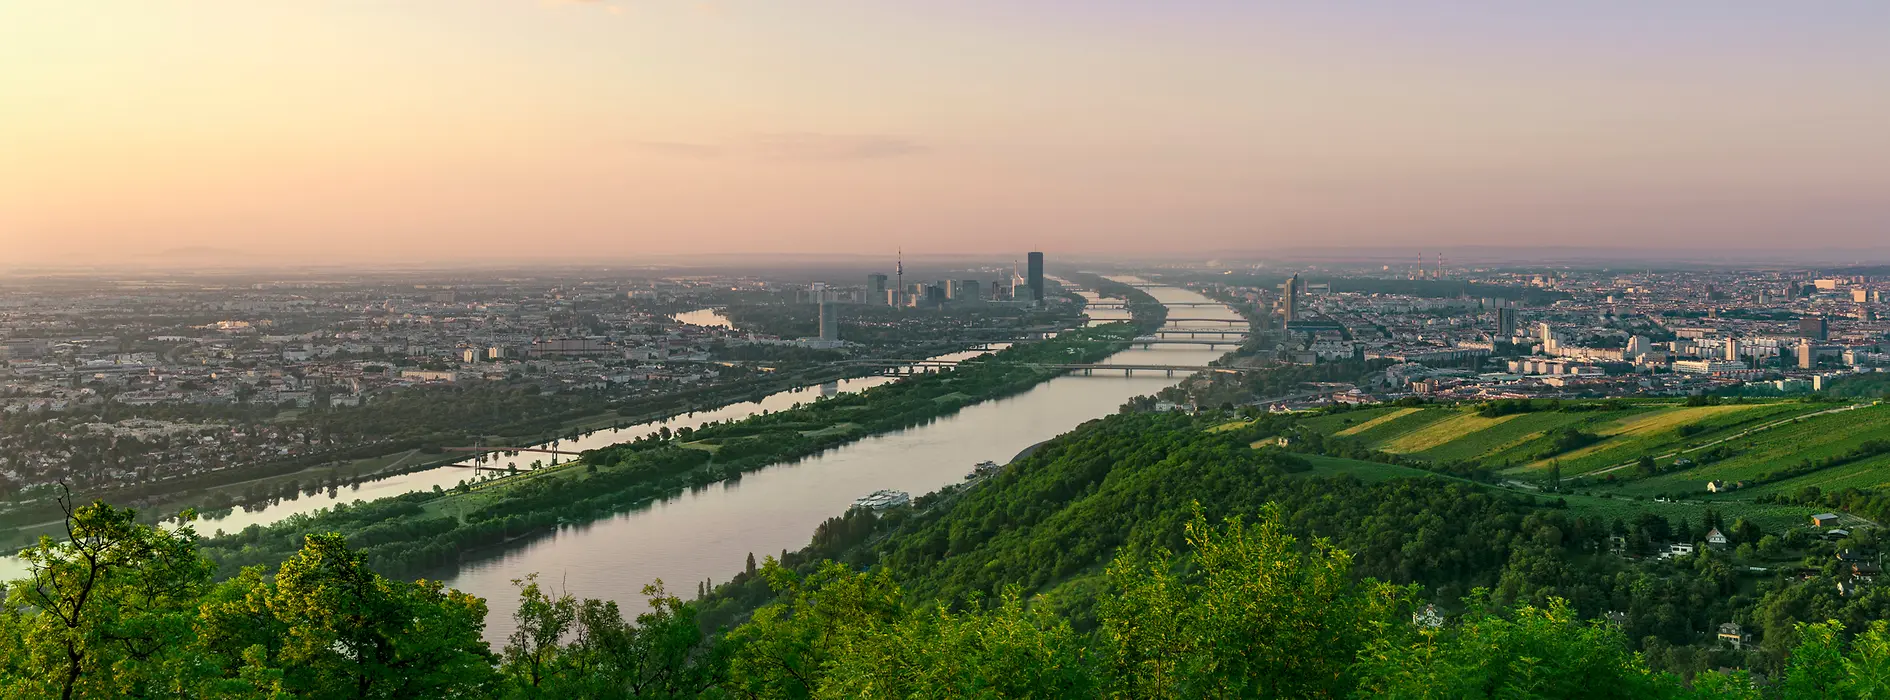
1770	517
1351	421
1779	447
1869	473
1365	471
1376	435
1520	439
1657	433
1766	437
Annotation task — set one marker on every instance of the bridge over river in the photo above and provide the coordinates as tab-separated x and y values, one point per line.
904	367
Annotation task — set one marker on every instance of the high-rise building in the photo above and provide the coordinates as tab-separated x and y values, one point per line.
961	290
1732	349
876	288
1807	355
1033	271
829	322
1505	322
1289	299
1813	327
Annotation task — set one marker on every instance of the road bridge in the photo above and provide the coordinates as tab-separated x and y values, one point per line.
1192	332
1181	319
1210	342
540	450
1120	305
906	367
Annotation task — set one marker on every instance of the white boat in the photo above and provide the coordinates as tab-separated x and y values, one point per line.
883	499
984	468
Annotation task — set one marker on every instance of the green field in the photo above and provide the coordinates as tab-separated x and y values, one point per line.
1365	471
1459	434
1730	442
1764	436
1770	517
1658	433
1864	474
1811	437
1401	424
1350	420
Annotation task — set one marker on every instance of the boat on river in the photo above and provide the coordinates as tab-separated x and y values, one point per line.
883	499
984	468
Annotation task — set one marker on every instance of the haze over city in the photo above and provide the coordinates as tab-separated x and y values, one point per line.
465	131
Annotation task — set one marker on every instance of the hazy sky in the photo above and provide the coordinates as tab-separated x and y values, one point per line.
389	130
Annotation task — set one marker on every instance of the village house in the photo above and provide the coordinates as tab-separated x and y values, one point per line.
1714	538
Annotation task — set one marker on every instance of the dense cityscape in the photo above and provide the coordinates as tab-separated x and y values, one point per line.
268	404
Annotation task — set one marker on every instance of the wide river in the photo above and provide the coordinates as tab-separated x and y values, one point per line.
450	476
708	534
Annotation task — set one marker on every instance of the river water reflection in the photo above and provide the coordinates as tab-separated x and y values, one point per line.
709	533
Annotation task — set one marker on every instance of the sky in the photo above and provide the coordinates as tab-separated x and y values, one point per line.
408	131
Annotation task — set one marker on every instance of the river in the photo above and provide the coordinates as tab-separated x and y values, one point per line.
450	476
704	317
709	533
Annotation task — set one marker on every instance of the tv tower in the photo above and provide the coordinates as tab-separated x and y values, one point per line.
899	271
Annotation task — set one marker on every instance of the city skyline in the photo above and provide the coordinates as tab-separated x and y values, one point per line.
477	132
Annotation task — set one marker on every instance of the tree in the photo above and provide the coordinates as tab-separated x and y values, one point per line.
1007	651
542	621
351	633
104	614
1522	652
786	648
1263	618
1817	665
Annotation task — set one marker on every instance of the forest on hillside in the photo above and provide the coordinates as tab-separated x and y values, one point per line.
1141	555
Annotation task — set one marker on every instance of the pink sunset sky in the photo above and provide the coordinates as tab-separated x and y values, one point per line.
381	130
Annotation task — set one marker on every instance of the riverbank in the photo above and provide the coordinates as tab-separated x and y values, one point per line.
708	533
428	530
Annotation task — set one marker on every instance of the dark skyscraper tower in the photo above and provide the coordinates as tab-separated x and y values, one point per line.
1033	271
829	322
1505	322
1290	298
1813	327
875	289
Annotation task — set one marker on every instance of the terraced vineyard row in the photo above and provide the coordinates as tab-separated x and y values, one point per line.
1602	449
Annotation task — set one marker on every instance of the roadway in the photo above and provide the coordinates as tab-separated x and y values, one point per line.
923	366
